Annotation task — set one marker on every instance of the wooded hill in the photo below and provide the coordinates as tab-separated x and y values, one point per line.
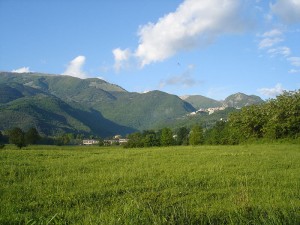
56	104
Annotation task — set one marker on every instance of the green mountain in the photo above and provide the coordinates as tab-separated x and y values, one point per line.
26	107
56	103
237	100
240	100
201	102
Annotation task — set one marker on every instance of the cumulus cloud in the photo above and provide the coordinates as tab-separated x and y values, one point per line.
272	92
194	23
287	10
295	61
121	57
22	70
75	67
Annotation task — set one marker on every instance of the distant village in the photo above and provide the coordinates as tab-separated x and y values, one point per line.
208	110
116	140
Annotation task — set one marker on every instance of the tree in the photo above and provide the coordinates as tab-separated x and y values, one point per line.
196	135
182	136
17	137
278	118
1	140
150	138
283	116
32	136
135	140
167	137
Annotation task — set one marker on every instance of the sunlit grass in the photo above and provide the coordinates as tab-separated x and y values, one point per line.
254	184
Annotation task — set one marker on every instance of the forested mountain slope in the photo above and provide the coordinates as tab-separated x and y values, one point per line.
90	105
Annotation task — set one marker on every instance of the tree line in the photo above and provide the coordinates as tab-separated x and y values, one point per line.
166	137
20	138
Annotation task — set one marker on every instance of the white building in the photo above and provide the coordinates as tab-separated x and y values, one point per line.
90	142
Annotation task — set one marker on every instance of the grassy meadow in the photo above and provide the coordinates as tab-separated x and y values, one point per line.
246	184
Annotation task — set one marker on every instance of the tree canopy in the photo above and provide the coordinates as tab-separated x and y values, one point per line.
17	137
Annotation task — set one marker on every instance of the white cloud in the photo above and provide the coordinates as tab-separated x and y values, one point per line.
287	10
194	23
295	61
272	92
21	70
269	42
121	57
270	38
272	33
75	67
284	51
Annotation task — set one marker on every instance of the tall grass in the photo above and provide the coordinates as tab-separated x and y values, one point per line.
250	184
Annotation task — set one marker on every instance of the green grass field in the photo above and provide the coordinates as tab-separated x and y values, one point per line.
248	184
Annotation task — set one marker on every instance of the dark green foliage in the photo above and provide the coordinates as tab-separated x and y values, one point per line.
17	137
282	116
150	138
196	135
64	139
276	119
135	140
167	137
8	93
32	136
216	134
101	142
182	136
147	138
1	140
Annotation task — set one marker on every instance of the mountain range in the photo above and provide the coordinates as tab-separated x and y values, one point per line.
56	104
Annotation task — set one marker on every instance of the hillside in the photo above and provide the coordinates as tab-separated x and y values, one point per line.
94	106
26	107
237	100
201	102
240	100
57	104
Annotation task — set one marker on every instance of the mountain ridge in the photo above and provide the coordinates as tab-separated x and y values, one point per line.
91	106
237	100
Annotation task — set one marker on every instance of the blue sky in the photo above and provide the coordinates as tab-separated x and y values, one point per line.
208	47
